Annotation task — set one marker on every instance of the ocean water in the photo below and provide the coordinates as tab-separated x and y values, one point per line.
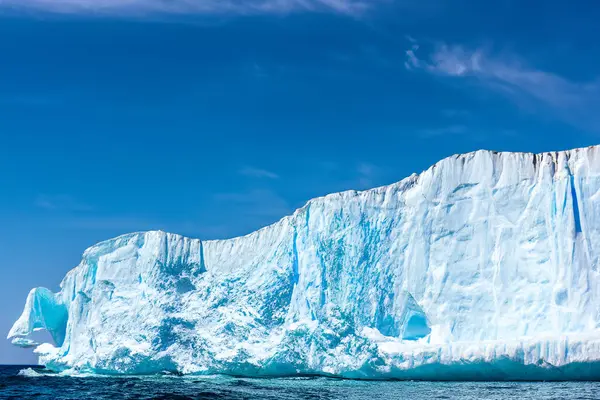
19	382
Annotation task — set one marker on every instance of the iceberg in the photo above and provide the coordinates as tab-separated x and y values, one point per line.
484	266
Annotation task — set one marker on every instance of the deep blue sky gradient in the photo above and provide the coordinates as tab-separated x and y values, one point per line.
214	126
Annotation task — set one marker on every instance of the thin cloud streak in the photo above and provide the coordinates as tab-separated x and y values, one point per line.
532	89
188	7
60	202
368	176
258	173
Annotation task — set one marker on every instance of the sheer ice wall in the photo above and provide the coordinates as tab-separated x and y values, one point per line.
483	266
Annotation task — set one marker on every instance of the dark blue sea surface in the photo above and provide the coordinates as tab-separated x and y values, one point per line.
19	382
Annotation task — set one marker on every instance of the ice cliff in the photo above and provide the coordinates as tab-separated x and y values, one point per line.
484	266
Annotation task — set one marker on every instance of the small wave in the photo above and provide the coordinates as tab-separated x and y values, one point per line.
29	373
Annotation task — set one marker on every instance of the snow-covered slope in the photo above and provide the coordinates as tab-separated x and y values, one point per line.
483	266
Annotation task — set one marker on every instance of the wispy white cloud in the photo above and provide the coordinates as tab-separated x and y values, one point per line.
257	173
367	175
412	61
60	202
198	7
356	176
534	89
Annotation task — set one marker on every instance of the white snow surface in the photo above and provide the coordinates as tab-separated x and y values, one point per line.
484	266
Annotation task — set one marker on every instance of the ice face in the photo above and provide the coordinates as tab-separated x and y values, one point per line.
485	266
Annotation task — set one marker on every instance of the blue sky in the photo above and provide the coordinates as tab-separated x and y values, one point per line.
214	118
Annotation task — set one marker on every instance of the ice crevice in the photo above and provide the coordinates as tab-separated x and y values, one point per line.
484	266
